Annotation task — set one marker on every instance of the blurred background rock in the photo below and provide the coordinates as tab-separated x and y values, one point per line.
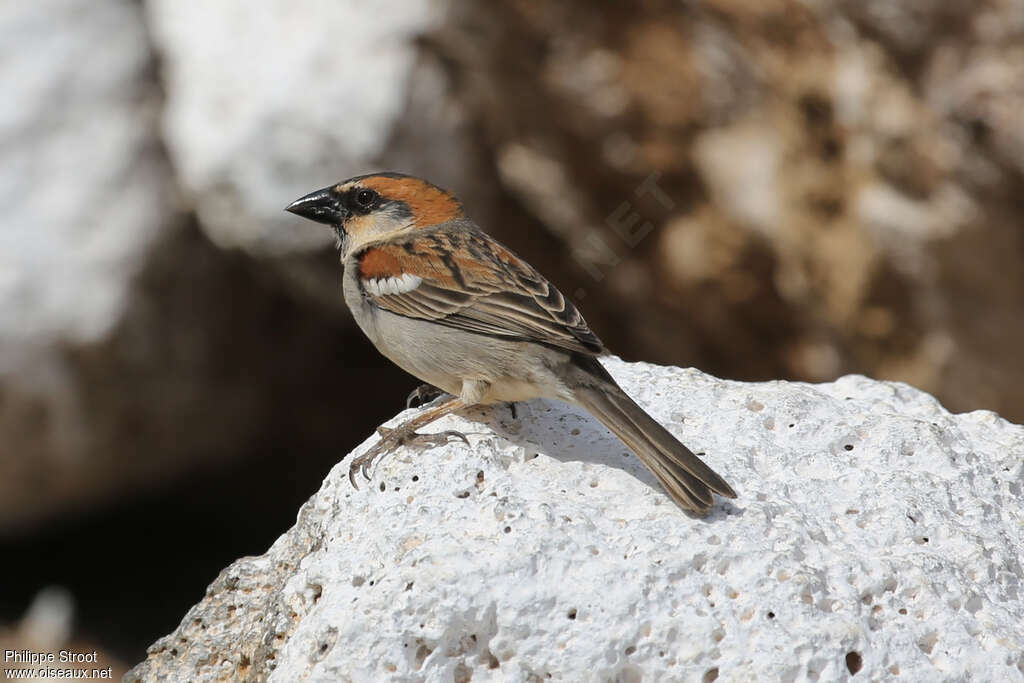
770	189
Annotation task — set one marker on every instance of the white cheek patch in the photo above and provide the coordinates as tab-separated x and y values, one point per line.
393	285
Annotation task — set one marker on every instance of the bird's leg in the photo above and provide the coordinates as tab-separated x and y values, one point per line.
512	408
422	395
405	435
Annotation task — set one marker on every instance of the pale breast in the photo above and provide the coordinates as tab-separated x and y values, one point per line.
446	357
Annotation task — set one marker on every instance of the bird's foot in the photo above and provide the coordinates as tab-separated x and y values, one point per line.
391	439
422	395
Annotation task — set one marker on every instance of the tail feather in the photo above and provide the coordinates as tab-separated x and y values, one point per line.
685	476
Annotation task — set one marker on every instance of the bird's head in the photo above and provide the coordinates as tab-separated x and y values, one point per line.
370	207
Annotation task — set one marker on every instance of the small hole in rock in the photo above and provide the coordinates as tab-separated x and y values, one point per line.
422	652
462	494
572	613
853	662
415	477
630	650
711	675
508	530
771	615
848	447
383	487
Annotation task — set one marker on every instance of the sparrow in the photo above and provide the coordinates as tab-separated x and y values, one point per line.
450	305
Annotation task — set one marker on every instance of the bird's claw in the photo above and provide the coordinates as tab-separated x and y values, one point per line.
422	395
394	438
451	434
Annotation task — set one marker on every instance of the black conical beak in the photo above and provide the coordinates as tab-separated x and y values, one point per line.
322	206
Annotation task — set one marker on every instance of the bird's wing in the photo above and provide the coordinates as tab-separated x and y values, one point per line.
467	280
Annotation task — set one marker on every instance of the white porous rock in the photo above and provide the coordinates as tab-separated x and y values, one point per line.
874	533
268	101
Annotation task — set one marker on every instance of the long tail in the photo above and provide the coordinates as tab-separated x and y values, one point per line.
685	476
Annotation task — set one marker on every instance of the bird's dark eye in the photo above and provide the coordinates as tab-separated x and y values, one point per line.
365	198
